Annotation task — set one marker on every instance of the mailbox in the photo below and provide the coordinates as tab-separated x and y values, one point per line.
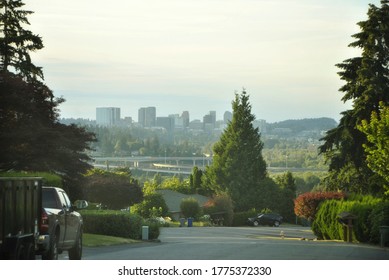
346	219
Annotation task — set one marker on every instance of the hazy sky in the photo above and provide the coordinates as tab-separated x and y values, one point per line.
193	55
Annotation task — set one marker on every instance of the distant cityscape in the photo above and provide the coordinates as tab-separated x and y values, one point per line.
147	118
110	117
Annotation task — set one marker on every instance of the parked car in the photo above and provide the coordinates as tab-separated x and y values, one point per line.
61	221
271	219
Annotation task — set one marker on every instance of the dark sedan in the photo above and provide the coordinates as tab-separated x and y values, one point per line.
271	219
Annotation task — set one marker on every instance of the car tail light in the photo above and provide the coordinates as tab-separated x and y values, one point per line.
44	222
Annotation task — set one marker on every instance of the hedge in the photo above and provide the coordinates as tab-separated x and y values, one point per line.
371	213
113	223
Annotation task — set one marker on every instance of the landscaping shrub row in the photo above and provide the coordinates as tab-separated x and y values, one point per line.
371	213
117	223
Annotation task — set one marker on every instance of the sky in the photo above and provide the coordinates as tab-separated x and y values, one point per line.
194	55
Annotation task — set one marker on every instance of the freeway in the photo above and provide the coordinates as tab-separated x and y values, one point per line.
173	165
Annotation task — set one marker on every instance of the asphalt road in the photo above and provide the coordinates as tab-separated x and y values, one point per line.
245	243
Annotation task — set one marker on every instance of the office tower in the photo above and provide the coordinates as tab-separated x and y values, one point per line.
209	120
167	123
147	116
185	118
107	116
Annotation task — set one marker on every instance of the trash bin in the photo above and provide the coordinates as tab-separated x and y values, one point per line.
384	232
182	222
190	222
145	232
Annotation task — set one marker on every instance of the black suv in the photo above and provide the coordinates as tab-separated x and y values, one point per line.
271	219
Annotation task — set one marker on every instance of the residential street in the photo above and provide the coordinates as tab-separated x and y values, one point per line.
244	243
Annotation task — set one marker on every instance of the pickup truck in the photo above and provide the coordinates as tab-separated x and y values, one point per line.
62	223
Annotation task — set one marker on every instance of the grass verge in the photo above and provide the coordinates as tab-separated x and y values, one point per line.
96	240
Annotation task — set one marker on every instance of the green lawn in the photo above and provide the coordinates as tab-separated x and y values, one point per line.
94	240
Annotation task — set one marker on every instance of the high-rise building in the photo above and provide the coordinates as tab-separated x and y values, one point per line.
185	118
178	121
167	123
209	120
107	116
213	117
147	116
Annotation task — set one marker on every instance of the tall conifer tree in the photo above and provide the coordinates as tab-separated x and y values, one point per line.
16	42
366	85
238	166
31	137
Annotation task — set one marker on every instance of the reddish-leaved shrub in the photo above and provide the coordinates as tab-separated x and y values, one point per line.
306	204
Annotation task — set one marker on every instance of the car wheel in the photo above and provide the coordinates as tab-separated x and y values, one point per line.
52	253
30	252
276	223
19	254
256	223
75	253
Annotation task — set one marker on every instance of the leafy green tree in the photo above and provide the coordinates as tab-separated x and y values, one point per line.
190	207
238	166
287	182
377	148
116	190
366	85
176	184
150	202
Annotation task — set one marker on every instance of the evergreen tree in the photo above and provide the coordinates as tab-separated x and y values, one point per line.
238	166
195	180
16	43
366	85
31	137
287	194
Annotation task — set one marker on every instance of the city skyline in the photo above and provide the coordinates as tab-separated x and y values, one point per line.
193	55
148	117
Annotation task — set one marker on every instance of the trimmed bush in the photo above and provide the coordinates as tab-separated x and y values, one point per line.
113	223
371	213
326	225
379	216
154	228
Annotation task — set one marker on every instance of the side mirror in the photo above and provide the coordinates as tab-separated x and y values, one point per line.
80	204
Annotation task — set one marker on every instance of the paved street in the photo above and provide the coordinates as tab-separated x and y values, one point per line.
250	243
